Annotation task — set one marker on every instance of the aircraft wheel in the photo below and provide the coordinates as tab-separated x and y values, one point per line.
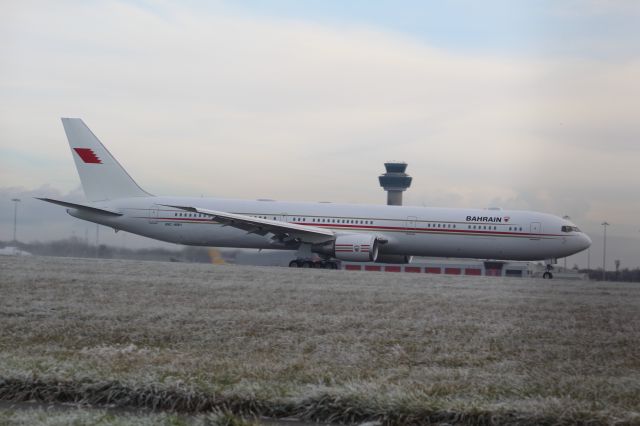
294	264
547	275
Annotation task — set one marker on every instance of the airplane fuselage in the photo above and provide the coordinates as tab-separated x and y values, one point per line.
405	230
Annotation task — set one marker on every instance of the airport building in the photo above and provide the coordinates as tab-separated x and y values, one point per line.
448	267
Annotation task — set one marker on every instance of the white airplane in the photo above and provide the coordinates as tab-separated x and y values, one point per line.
322	231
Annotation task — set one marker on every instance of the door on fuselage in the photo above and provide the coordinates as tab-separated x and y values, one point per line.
410	225
536	230
281	217
153	214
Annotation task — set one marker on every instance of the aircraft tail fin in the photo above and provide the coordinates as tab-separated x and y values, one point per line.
102	177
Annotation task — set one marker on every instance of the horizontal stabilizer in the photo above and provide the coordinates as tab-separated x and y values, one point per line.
81	207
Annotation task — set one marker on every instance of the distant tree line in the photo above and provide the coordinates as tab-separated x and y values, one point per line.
76	247
626	274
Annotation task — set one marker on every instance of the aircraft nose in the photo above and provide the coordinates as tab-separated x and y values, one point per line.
585	242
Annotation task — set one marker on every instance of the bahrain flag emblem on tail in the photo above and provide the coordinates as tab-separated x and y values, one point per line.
87	155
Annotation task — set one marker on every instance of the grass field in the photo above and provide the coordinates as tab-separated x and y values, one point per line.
322	345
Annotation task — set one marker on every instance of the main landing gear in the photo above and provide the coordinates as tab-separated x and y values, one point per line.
306	258
308	263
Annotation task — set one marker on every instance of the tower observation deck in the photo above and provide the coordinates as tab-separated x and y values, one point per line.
395	181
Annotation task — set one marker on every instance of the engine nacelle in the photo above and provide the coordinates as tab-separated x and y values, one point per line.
356	248
394	258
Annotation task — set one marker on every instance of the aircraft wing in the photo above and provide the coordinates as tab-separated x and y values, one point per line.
282	230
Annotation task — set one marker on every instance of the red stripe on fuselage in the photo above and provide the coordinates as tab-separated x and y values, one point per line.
381	228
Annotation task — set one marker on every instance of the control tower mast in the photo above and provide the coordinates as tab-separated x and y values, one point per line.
395	181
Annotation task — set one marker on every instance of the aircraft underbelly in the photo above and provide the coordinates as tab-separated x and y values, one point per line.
206	234
487	247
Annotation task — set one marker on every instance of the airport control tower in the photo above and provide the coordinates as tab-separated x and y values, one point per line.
395	181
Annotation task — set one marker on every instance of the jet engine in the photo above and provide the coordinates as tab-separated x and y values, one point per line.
353	248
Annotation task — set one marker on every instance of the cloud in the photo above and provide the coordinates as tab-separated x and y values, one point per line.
220	103
41	221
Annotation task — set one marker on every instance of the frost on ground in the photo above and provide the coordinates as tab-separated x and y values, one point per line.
319	345
57	416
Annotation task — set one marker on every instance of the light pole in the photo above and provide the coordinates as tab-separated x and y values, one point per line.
15	218
604	252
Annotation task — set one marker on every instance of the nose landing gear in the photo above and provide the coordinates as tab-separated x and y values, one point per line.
548	272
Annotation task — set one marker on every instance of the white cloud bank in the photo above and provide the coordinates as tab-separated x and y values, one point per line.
216	103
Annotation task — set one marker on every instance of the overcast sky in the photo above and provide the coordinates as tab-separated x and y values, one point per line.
517	104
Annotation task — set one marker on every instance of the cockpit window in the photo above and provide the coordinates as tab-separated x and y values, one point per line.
570	229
